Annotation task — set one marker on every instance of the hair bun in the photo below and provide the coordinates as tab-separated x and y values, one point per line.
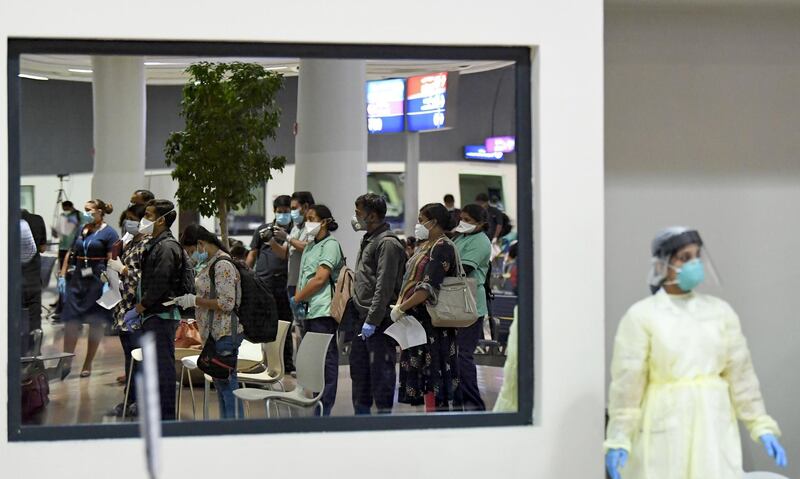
109	208
333	225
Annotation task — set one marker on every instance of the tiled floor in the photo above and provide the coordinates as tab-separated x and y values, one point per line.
81	401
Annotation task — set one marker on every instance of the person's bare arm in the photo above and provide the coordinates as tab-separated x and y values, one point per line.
251	258
66	264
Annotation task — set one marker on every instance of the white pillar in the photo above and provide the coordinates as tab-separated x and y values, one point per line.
411	184
119	101
331	142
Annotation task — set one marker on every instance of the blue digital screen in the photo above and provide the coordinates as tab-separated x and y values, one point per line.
426	102
478	152
385	101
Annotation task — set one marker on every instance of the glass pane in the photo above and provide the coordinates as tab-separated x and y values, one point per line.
419	173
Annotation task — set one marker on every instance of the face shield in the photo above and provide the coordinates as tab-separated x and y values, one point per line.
666	244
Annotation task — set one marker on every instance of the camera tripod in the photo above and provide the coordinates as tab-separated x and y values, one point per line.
60	198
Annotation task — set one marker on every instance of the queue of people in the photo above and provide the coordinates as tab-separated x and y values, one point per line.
300	259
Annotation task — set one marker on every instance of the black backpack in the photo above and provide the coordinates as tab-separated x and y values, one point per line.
184	284
258	312
186	279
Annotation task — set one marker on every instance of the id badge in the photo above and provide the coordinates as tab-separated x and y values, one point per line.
86	272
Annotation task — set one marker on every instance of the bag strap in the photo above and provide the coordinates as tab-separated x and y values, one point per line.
461	273
344	265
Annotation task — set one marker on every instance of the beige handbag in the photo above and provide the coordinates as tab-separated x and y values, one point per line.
456	306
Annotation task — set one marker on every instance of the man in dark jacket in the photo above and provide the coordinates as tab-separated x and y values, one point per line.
378	279
162	270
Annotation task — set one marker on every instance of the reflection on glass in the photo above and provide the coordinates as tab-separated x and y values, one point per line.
288	238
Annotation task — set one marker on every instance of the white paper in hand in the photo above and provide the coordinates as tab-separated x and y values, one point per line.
112	297
408	332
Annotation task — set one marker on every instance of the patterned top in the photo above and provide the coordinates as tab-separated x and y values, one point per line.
427	269
229	295
132	259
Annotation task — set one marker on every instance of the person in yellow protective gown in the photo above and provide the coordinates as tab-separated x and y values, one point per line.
508	398
681	374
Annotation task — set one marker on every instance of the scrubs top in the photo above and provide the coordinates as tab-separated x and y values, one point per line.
476	251
328	253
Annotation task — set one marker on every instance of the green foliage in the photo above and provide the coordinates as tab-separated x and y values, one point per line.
230	111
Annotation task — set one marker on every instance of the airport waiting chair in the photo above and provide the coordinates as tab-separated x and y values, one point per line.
273	354
310	377
250	355
136	355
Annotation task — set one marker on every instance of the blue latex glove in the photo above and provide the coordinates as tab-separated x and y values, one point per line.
105	288
132	320
774	449
62	286
615	459
298	309
367	330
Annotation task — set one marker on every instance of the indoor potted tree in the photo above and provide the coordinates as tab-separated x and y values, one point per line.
230	111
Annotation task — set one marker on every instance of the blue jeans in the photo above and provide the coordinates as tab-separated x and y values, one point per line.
227	345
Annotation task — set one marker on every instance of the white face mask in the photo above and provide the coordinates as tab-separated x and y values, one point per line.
312	228
464	227
146	226
421	232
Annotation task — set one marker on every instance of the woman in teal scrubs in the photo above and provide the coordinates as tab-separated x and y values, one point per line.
322	259
475	250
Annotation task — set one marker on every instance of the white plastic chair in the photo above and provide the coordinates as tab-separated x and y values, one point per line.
136	356
250	354
763	475
310	377
273	354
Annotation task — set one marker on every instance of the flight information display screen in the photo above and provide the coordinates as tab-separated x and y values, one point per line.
426	102
385	102
479	152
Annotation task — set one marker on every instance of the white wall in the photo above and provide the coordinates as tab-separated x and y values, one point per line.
78	189
565	442
702	115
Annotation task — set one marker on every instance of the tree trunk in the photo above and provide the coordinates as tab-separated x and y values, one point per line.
222	212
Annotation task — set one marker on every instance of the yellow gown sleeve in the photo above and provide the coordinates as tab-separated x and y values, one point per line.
629	373
745	390
507	400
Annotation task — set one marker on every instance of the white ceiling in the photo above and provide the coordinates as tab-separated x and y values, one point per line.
170	70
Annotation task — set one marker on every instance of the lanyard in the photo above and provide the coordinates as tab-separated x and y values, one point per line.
86	247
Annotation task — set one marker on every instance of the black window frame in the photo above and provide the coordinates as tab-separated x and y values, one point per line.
521	55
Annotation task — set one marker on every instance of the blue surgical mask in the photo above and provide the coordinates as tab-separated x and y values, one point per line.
200	257
283	219
690	275
132	227
297	216
87	217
